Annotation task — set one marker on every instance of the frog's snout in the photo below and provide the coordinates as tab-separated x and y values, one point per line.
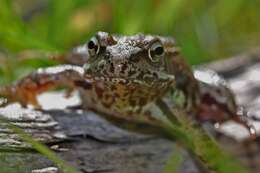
118	68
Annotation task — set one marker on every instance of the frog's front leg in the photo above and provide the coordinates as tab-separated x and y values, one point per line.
25	91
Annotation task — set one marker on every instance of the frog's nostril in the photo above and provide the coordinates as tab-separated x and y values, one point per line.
117	68
122	69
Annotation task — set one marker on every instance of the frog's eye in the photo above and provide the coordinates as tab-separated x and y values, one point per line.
93	46
156	51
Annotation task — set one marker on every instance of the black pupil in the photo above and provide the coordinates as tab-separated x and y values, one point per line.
159	50
91	45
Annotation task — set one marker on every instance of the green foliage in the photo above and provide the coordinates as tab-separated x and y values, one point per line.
204	29
14	34
174	161
200	145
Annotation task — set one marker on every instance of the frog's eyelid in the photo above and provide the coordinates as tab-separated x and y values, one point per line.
100	42
168	41
105	39
154	40
149	43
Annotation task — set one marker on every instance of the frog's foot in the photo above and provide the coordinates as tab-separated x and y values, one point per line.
68	92
242	117
219	113
251	128
244	112
24	96
26	90
7	94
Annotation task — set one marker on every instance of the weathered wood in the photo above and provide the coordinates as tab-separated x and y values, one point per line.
87	141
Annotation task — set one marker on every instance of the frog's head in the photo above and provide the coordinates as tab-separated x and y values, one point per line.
143	58
137	66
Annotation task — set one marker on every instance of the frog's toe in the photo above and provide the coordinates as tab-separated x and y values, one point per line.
69	92
4	102
244	120
243	112
252	132
251	128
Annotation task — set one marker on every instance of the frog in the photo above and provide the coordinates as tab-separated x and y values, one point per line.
137	78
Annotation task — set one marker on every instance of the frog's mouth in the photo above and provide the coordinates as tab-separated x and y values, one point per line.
121	93
147	82
123	76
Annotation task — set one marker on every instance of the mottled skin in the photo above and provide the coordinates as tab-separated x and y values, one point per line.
138	78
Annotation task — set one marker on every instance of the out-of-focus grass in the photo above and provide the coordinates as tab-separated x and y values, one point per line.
205	30
174	161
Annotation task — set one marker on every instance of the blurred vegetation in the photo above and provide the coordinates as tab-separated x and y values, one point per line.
205	30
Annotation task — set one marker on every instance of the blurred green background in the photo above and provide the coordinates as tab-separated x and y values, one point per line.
205	30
